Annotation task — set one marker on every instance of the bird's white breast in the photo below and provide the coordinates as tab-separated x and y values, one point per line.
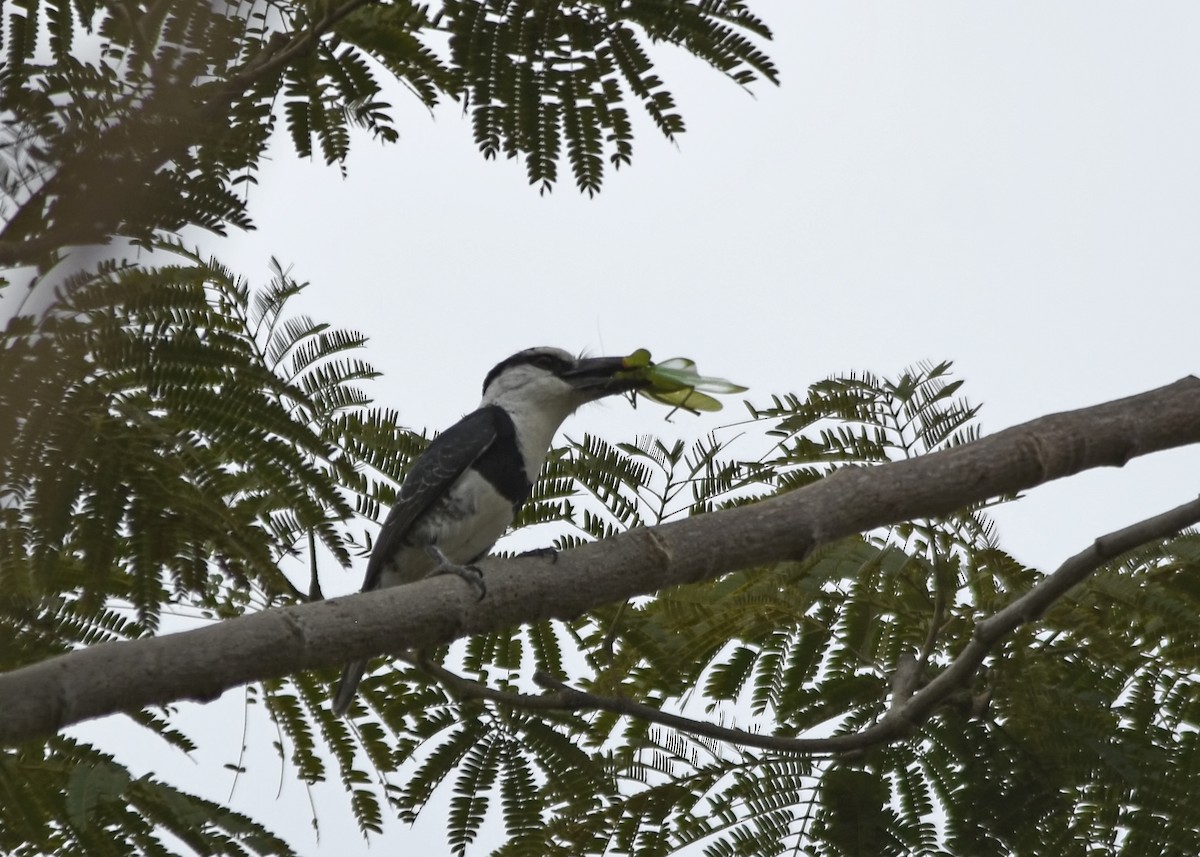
464	525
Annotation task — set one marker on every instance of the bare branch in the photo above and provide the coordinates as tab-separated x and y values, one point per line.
563	697
580	700
465	688
1036	601
38	700
905	679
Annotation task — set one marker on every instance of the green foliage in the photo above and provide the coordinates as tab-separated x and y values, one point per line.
170	440
67	799
173	438
124	129
538	74
138	119
146	404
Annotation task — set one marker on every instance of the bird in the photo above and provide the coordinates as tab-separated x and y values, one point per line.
465	489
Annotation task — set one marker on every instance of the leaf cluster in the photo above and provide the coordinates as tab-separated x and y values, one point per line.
100	809
137	119
121	127
541	75
171	439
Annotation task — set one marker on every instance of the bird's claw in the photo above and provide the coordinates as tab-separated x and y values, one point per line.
469	573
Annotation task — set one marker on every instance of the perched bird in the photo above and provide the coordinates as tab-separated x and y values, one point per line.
465	489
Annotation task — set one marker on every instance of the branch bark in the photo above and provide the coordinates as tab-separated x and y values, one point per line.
38	700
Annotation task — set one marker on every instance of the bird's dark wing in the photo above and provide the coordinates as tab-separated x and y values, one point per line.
431	476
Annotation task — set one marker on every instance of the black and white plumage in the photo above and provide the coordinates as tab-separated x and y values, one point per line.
463	492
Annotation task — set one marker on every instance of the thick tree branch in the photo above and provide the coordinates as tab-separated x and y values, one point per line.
38	700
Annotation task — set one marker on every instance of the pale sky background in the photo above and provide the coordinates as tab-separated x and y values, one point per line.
1013	186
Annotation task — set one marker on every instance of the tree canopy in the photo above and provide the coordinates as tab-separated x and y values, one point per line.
139	119
817	646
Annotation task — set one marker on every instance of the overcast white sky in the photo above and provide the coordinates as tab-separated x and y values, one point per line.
1013	186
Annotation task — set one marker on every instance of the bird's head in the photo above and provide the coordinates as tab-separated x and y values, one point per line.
553	378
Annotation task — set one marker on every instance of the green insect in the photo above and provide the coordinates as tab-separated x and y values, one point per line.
676	383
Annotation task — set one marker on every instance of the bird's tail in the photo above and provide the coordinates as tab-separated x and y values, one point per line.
348	686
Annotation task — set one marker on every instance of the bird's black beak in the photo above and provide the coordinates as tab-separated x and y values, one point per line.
602	376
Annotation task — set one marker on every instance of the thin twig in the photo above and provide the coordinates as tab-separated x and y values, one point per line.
465	688
581	700
936	621
1034	603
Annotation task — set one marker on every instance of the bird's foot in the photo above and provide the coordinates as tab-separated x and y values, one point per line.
541	553
468	573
